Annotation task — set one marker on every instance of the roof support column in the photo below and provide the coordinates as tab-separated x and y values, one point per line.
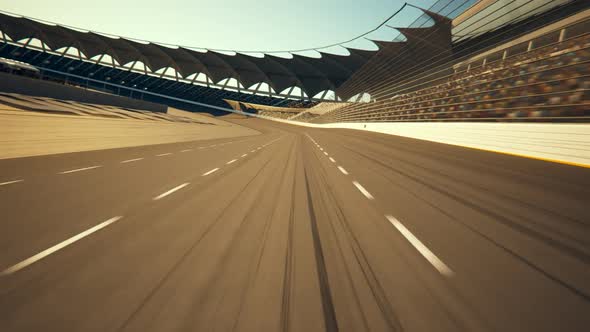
99	59
257	87
27	43
290	91
163	73
194	79
63	55
561	35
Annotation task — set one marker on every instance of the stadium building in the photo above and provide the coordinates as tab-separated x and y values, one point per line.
460	37
438	181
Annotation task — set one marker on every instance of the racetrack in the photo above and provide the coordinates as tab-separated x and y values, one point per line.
296	229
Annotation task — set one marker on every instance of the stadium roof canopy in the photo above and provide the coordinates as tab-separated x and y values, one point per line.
312	75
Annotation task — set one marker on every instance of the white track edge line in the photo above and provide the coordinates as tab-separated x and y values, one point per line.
422	249
171	191
61	245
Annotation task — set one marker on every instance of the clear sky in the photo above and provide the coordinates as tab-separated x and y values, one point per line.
226	24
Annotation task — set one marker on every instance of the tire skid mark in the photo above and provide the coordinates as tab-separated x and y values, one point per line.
261	248
377	290
326	294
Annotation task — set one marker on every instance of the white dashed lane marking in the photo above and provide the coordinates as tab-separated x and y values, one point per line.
326	153
186	150
211	171
245	154
57	247
131	160
332	160
363	190
431	257
171	191
163	154
231	161
342	170
10	182
79	169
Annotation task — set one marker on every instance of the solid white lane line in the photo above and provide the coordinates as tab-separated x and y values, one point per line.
10	182
171	191
363	190
343	171
332	160
79	169
245	154
231	161
131	160
163	154
57	247
187	150
435	261
211	171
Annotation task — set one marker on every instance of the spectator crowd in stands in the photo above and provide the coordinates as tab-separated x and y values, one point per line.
276	114
547	83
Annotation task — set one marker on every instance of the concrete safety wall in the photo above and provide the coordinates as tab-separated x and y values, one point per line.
555	142
36	87
565	143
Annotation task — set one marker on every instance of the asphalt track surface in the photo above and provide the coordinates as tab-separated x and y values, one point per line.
296	229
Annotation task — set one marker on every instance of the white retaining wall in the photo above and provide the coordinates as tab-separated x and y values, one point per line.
557	142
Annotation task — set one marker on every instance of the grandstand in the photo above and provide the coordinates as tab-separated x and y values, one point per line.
544	78
265	110
318	110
